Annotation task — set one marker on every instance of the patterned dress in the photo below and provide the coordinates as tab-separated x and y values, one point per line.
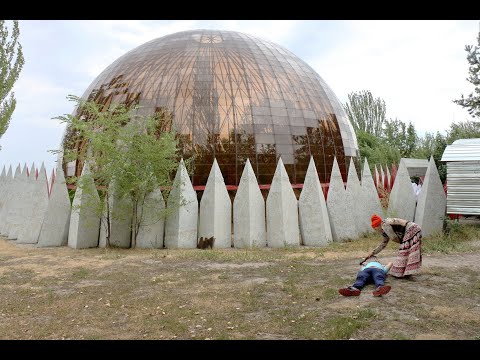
409	236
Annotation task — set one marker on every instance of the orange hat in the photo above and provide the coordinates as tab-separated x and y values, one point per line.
376	220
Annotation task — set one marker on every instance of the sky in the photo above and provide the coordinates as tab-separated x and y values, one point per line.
417	67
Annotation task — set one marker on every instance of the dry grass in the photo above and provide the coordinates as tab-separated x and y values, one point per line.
60	293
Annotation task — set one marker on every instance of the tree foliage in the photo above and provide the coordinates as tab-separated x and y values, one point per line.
472	102
381	141
11	64
129	155
463	130
376	150
385	141
365	113
432	145
400	136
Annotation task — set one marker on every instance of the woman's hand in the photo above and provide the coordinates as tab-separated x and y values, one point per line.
370	254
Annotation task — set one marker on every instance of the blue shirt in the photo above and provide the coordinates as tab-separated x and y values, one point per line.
375	264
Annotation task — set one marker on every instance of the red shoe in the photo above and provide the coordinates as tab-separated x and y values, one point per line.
349	291
382	290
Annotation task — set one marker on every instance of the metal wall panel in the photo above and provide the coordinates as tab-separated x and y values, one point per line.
463	187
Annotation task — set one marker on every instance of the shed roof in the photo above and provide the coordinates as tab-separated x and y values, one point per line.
462	150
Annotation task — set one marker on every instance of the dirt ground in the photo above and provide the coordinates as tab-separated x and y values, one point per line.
61	293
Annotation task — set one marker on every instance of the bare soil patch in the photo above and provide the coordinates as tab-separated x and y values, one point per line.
61	293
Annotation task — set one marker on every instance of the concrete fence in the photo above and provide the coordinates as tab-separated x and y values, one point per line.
36	211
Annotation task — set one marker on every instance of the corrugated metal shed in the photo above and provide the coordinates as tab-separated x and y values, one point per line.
462	150
463	177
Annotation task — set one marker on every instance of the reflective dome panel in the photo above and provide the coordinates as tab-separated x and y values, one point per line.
234	96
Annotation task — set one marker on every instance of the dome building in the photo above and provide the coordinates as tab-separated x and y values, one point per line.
234	96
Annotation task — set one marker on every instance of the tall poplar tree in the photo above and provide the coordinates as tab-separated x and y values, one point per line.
11	64
366	113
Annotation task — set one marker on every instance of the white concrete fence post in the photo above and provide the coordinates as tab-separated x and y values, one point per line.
313	213
182	220
152	226
339	210
216	210
56	223
35	209
431	202
282	211
84	220
402	201
249	212
370	196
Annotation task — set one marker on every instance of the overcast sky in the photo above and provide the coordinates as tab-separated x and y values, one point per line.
417	67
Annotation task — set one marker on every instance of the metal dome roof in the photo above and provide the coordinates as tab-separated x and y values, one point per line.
234	96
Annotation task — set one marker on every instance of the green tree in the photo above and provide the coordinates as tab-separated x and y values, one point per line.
440	145
129	155
11	63
463	130
425	146
376	150
365	113
400	136
472	102
411	140
432	145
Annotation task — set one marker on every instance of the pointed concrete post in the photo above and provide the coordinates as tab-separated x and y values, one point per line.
52	181
282	211
32	171
20	200
339	210
181	223
150	233
6	181
382	177
102	238
376	177
249	212
402	200
84	220
370	197
355	199
12	200
56	222
3	184
216	209
387	179
121	210
27	197
431	202
6	203
313	213
393	175
120	220
3	175
37	207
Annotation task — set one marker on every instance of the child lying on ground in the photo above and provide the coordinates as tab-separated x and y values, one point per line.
374	272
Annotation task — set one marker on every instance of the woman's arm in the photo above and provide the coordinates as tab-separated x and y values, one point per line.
380	247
